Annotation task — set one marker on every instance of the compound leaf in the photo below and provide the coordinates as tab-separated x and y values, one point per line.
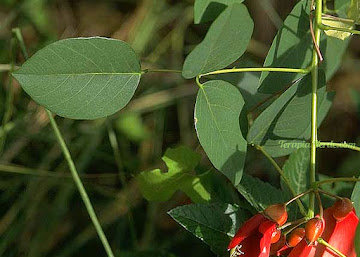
82	78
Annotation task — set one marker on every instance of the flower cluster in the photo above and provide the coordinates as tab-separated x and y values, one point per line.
261	235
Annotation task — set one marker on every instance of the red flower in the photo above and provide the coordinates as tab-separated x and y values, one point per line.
254	237
339	234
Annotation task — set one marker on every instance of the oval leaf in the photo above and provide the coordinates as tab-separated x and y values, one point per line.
217	113
292	48
284	126
226	40
82	78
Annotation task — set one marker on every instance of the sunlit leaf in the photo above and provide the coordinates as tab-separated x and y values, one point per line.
157	185
226	40
82	78
338	24
292	48
218	109
284	126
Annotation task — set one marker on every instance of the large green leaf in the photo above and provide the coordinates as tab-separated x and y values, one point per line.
292	48
156	185
341	7
226	40
208	10
219	106
260	194
214	224
284	126
82	78
296	169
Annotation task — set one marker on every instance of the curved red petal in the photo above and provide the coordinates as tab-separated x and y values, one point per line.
339	234
250	245
248	228
267	228
302	249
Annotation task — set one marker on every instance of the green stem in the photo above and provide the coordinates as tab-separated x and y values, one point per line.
21	42
289	70
282	174
339	145
334	180
314	79
115	147
323	242
326	27
80	186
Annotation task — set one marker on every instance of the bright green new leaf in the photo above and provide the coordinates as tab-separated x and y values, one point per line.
260	194
284	126
338	24
208	10
292	48
296	169
131	125
82	78
354	11
156	185
218	110
214	224
226	40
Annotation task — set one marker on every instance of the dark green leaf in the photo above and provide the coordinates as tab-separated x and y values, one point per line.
285	125
355	197
260	194
296	169
218	108
292	48
156	185
214	224
82	78
341	6
226	40
208	10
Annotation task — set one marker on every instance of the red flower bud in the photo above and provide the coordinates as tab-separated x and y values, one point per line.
341	208
277	213
295	237
313	229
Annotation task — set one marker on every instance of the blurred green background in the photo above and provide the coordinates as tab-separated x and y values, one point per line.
41	212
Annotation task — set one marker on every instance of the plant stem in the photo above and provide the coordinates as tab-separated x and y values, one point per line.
326	27
160	70
329	194
298	196
333	180
282	174
314	79
339	145
115	147
323	242
80	186
19	37
290	70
